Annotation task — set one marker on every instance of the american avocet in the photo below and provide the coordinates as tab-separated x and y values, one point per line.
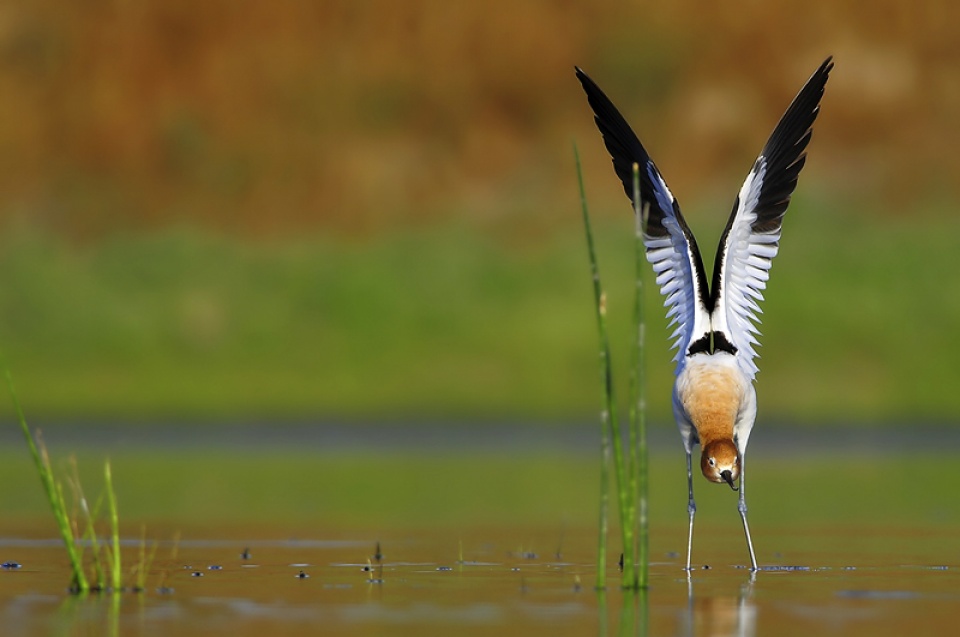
714	400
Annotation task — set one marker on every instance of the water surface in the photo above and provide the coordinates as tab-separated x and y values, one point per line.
489	539
422	587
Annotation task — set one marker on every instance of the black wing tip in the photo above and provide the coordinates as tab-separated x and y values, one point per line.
803	110
785	150
784	155
827	65
589	86
621	141
817	83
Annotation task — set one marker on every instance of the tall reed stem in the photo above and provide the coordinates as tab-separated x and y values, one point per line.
116	573
608	409
610	425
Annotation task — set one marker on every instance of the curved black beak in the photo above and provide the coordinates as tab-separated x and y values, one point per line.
728	478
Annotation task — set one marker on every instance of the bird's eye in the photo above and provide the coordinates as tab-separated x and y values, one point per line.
712	462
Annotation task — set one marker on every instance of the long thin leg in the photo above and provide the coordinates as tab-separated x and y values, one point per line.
692	507
742	507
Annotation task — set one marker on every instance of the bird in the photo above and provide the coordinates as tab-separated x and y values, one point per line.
716	324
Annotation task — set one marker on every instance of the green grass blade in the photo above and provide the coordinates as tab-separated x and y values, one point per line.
599	306
116	576
146	561
53	491
90	532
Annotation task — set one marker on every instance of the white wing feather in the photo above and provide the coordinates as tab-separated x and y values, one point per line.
746	269
675	266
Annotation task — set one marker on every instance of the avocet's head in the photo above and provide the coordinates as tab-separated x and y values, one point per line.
720	462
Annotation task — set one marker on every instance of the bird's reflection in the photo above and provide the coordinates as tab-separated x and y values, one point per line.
706	615
721	615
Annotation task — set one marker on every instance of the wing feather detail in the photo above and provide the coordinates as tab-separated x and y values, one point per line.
671	248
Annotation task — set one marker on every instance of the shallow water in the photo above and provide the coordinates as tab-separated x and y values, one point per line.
422	587
499	541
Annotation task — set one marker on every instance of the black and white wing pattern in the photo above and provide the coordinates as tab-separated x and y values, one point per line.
671	247
752	236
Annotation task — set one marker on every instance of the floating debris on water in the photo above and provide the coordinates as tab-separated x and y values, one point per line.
444	568
378	556
11	566
214	567
782	567
196	574
165	590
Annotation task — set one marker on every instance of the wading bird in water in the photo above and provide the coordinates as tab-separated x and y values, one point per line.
714	400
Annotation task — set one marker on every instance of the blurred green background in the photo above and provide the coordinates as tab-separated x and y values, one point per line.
224	211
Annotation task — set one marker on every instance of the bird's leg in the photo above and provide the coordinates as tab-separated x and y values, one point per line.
742	507
692	507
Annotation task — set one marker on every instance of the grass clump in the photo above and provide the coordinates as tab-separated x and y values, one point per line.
104	579
54	492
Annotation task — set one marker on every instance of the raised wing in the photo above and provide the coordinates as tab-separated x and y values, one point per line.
752	236
671	247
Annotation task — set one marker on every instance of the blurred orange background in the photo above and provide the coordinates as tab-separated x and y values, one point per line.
361	116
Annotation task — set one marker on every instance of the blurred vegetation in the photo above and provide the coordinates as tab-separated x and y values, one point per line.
446	323
367	209
276	492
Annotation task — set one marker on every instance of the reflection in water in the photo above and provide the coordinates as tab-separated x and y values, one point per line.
634	614
79	613
721	615
705	615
